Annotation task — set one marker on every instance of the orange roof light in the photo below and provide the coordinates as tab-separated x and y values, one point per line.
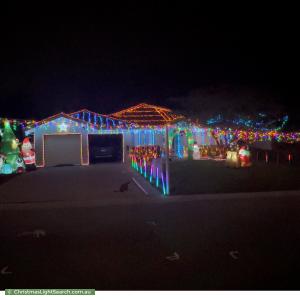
145	114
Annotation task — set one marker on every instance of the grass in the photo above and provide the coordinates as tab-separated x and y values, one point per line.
202	177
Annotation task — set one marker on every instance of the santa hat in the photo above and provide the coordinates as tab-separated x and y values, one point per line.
26	141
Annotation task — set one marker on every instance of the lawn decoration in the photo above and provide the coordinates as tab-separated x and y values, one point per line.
196	152
10	149
238	156
204	152
244	156
232	159
28	153
1	161
20	166
6	169
232	156
179	143
185	152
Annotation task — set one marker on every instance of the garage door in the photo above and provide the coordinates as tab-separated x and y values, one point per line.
105	147
62	150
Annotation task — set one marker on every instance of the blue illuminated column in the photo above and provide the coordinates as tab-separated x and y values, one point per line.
167	161
139	138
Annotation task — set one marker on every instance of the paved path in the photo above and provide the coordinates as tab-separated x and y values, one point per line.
95	183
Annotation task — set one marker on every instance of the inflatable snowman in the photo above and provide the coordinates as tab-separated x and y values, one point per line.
196	152
28	153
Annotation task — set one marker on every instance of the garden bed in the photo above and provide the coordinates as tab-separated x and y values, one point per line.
205	177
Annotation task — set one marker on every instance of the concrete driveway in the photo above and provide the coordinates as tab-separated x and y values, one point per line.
98	183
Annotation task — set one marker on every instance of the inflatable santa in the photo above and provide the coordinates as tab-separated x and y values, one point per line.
28	153
244	155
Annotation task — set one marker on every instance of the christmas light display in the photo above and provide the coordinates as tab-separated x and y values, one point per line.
63	123
146	153
100	120
254	136
145	125
181	136
9	149
63	127
14	123
145	115
181	140
215	151
148	162
261	122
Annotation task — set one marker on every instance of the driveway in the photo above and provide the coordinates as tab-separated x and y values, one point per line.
98	183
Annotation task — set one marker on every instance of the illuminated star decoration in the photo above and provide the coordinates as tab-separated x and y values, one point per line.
63	127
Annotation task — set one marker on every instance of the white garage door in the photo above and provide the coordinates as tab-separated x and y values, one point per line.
62	150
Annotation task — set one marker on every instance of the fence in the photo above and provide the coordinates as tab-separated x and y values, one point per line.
150	164
278	156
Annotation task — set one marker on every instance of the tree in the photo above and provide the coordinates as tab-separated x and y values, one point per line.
228	104
9	147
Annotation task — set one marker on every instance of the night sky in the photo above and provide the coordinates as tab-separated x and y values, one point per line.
115	59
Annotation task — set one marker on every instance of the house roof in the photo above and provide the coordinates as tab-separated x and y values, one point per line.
75	114
104	121
147	115
59	115
141	115
87	117
30	130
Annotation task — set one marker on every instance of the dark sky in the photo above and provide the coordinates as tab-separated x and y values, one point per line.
114	59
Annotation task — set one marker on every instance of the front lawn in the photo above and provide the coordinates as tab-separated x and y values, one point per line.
201	177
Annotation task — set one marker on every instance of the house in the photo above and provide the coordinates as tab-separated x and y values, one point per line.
65	139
